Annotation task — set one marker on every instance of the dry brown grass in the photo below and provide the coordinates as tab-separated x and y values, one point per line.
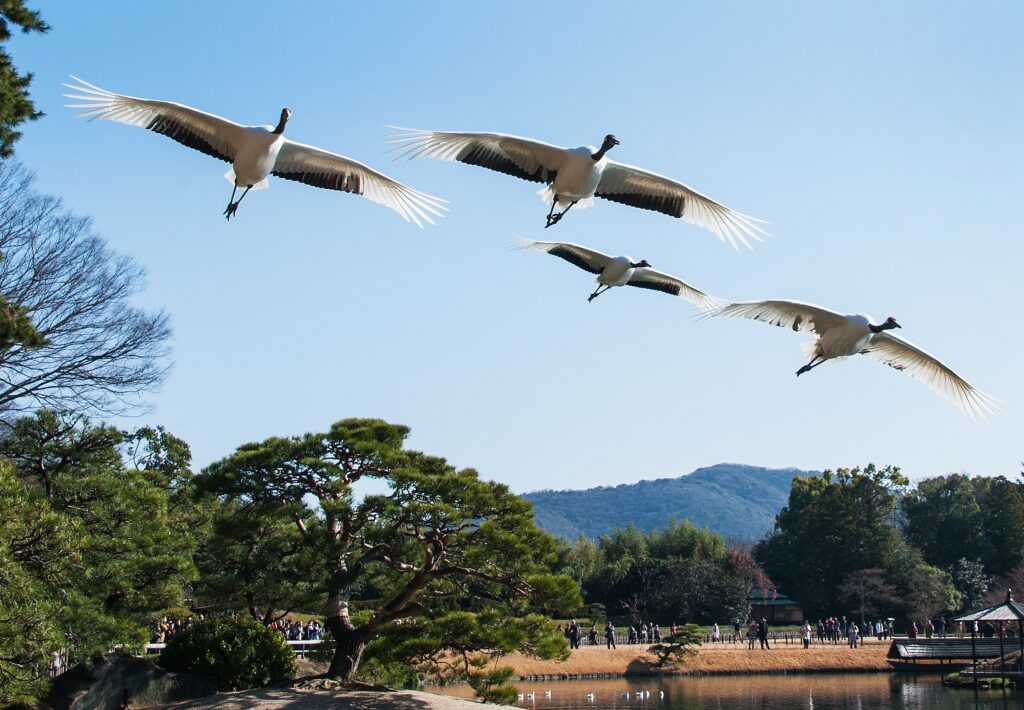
717	658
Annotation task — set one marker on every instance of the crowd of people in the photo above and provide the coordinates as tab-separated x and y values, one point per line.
163	629
838	629
295	630
833	630
639	632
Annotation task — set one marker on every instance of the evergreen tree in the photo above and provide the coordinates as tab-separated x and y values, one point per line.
132	561
438	533
834	524
943	520
39	559
15	105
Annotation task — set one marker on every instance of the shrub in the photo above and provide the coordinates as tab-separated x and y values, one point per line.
238	653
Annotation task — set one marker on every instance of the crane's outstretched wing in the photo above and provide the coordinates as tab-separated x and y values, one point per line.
191	127
641	188
313	166
798	316
520	157
903	355
586	259
646	277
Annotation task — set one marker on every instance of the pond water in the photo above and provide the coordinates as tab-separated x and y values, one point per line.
767	692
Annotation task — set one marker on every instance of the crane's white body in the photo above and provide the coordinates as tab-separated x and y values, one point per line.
577	180
572	174
840	336
255	152
618	272
256	158
849	337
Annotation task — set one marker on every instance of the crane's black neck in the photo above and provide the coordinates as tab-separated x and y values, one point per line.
609	143
888	325
282	123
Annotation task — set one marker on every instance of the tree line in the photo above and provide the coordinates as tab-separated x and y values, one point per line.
681	573
867	539
857	541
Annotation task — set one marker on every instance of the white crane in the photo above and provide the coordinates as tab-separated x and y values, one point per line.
255	152
622	271
841	336
573	176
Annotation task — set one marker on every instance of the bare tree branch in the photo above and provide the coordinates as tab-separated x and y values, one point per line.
102	352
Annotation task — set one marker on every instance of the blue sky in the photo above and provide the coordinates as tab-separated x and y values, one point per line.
882	140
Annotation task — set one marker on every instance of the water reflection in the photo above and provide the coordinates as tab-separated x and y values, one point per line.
769	692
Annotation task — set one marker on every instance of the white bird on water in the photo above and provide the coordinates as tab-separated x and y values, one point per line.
255	152
840	336
574	176
622	271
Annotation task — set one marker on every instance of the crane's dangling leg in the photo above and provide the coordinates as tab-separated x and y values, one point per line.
554	202
597	292
232	205
815	361
554	219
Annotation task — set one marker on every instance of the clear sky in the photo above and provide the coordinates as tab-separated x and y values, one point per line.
882	140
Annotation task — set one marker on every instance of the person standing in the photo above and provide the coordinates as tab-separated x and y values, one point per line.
762	634
805	633
853	634
752	632
609	634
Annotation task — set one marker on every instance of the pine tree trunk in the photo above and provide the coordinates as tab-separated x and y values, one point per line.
348	649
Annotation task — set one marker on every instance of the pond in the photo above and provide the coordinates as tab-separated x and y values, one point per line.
766	692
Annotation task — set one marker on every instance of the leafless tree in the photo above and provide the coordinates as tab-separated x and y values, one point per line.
869	591
101	352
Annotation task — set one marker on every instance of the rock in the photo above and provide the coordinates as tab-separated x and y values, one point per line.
102	685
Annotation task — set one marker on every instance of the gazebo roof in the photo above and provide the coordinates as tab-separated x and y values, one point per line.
1008	610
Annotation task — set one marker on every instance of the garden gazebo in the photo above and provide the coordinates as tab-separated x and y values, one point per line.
1000	614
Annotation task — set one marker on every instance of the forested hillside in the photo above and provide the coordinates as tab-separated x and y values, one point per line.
738	501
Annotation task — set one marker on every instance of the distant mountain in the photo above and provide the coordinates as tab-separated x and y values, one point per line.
738	501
